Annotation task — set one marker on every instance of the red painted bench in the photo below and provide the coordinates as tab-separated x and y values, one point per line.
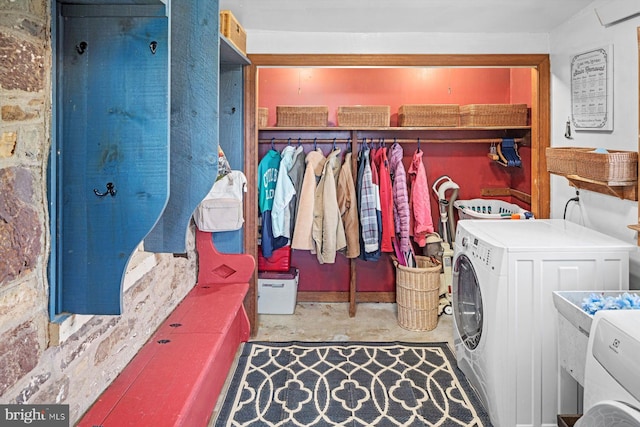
176	377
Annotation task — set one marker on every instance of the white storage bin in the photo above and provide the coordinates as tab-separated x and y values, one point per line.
277	291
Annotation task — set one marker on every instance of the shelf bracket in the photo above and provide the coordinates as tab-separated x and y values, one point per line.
625	191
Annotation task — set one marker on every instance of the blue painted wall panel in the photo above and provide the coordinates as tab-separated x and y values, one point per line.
194	119
231	140
114	113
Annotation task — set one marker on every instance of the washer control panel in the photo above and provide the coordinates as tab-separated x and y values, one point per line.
478	250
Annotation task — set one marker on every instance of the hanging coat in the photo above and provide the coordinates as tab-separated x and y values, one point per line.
267	179
386	199
296	174
327	230
400	197
314	164
367	207
348	206
284	193
419	203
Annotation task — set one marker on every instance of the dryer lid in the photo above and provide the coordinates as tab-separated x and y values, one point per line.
610	413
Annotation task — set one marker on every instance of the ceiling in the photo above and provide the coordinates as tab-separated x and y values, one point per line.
379	16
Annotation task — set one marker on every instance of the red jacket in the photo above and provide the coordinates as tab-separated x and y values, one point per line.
386	199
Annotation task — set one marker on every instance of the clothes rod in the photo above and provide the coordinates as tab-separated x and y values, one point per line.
377	141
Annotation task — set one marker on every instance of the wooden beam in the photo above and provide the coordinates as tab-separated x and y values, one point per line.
506	192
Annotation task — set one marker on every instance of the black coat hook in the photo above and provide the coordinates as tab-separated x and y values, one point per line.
111	189
81	47
315	143
273	146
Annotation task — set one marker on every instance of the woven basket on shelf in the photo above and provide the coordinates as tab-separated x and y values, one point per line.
263	116
562	160
417	294
613	167
302	115
232	30
429	115
493	115
364	115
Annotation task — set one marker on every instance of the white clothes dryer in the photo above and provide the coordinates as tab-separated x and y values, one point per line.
612	372
505	334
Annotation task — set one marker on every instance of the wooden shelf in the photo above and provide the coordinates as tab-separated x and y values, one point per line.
627	191
231	55
399	134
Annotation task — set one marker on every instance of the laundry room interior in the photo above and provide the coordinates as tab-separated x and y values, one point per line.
169	212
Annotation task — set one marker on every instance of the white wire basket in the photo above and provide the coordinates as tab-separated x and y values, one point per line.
488	209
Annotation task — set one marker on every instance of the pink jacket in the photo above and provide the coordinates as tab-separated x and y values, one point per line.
419	203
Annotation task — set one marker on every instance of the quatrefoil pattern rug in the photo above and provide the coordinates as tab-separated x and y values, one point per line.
349	384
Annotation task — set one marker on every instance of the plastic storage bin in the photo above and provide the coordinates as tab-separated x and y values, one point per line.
277	292
489	209
280	260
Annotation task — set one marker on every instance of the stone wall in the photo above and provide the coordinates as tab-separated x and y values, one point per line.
39	362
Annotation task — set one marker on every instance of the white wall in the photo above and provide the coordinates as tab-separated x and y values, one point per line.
283	42
583	32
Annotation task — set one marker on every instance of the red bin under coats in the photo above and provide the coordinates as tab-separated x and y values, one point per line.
279	261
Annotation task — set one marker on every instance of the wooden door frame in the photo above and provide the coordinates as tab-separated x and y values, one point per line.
540	121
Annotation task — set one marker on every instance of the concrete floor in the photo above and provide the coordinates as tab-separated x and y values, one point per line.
331	322
313	321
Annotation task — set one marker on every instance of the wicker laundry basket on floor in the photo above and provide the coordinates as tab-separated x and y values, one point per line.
417	294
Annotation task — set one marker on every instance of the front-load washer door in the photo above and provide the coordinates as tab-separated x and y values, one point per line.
467	302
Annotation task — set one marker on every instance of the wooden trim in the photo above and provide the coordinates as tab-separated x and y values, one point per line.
540	139
376	297
506	192
251	197
398	60
540	117
638	225
333	296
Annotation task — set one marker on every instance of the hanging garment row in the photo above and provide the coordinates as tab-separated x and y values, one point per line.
312	202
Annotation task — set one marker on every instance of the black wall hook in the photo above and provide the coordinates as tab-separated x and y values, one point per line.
81	47
153	46
110	190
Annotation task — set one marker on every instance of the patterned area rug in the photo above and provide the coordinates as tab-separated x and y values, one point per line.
349	384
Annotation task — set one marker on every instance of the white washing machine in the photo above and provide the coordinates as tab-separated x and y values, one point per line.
612	371
504	272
